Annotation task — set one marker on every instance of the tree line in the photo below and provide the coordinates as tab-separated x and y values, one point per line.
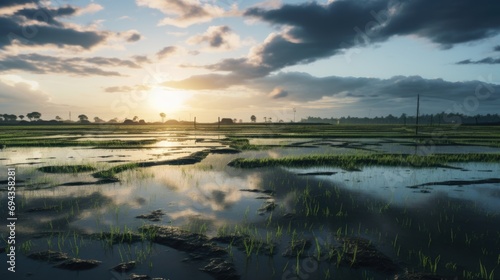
430	119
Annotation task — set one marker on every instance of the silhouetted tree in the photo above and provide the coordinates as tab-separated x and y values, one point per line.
253	118
83	118
135	118
163	115
58	118
9	117
98	120
21	117
34	115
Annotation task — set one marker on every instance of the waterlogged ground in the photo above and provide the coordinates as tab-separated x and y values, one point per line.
184	217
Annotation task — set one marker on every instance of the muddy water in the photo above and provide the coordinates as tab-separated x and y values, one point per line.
460	224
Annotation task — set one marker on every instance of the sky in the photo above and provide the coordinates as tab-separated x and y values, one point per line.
282	60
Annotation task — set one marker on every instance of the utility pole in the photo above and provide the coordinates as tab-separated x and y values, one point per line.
418	108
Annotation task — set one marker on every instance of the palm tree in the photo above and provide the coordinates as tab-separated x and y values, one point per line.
162	115
253	118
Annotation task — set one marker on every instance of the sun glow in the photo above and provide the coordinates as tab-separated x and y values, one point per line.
166	100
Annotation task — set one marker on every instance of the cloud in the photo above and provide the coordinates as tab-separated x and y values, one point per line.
134	37
166	52
201	82
183	13
90	9
446	22
487	60
34	23
21	95
278	93
313	31
141	59
497	48
46	15
127	88
385	92
81	66
39	34
38	24
218	38
355	95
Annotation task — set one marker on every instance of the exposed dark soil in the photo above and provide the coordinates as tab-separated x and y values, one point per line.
458	183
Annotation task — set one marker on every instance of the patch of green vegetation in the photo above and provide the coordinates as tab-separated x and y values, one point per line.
67	168
351	162
191	159
111	173
242	144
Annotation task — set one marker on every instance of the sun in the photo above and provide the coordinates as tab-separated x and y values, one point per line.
166	100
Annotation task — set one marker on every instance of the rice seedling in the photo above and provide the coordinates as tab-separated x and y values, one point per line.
351	162
484	274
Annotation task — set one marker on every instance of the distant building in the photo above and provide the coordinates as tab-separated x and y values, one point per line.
226	121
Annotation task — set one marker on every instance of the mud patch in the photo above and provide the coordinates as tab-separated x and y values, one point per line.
154	216
458	183
78	264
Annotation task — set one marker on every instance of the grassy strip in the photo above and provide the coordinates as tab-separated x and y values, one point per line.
66	168
354	161
111	173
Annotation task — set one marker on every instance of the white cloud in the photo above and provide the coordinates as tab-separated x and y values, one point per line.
12	80
183	13
90	9
219	38
18	95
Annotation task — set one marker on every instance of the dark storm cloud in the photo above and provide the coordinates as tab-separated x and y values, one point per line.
9	3
446	22
82	66
318	31
315	31
487	60
38	25
38	34
166	51
46	15
497	48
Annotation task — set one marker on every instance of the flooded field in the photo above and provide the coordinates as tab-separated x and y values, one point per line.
230	204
